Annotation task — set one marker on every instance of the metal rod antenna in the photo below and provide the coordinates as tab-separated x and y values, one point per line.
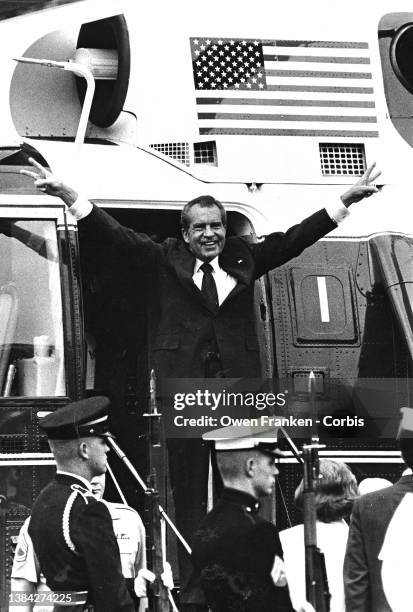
111	442
294	448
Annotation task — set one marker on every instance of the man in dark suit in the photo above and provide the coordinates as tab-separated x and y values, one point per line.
201	300
374	580
71	531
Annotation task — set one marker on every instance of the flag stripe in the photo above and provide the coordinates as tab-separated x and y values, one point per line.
305	111
321	88
286	132
343	128
323	59
322	44
287	102
306	81
320	74
274	117
313	52
286	95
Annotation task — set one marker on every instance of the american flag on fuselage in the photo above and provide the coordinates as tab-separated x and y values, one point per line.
283	87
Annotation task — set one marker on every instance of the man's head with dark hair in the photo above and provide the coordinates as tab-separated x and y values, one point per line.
78	434
335	491
203	226
204	201
249	470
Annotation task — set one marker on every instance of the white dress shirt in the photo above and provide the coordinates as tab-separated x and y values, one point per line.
224	282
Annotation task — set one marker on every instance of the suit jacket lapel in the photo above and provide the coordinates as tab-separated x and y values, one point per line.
183	263
232	260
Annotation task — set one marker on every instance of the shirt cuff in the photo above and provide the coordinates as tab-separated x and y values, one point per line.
81	208
337	212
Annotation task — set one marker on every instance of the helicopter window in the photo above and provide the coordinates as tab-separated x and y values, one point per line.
31	329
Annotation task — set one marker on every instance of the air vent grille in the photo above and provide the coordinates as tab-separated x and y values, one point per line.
176	150
342	159
205	153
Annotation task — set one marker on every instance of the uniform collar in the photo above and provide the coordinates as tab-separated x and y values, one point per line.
250	503
84	482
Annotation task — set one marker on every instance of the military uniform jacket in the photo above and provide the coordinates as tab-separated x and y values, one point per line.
183	329
233	552
370	519
73	539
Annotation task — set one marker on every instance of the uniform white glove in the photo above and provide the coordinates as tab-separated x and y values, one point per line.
166	576
278	572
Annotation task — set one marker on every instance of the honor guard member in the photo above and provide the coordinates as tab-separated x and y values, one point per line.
71	531
131	538
236	553
129	531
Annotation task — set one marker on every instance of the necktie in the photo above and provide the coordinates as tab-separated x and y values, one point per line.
209	288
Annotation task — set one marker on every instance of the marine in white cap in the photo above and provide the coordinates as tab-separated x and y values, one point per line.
237	554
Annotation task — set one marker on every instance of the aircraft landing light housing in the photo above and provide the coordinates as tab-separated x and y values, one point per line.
107	39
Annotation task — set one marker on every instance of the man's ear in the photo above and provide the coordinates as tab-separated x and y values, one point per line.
185	234
83	450
250	466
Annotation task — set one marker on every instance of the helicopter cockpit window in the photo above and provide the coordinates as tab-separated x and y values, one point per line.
31	328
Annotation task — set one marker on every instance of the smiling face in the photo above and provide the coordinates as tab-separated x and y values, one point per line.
205	234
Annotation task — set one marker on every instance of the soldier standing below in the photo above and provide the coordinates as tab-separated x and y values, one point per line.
71	531
237	554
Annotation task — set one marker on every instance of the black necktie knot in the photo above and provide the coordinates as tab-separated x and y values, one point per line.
206	268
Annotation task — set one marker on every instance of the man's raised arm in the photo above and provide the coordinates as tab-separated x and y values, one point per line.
97	227
54	186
